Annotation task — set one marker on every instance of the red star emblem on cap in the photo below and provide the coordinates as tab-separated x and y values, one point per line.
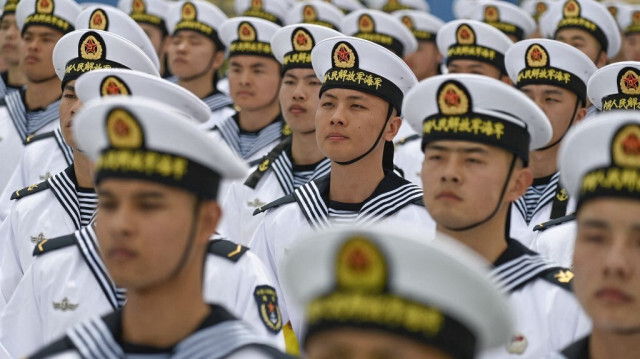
358	261
571	7
90	46
451	98
271	307
343	55
121	128
365	22
113	89
44	3
301	39
97	20
245	31
536	54
631	145
631	82
464	34
187	10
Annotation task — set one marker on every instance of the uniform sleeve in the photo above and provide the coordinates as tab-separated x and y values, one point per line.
15	183
10	269
20	323
567	321
229	227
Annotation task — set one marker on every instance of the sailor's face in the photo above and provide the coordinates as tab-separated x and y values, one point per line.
299	99
462	181
631	47
191	54
69	106
9	39
583	41
349	121
155	34
425	61
254	81
143	229
606	263
367	344
36	50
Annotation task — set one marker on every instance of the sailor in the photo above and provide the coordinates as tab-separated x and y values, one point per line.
315	12
554	75
33	110
477	135
512	20
584	24
47	154
297	159
150	15
274	11
386	293
396	5
153	230
597	159
536	8
254	82
357	118
195	53
66	201
629	22
471	46
13	78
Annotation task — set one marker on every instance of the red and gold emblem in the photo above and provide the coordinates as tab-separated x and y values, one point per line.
343	56
571	9
465	35
491	14
537	56
138	7
302	40
408	22
629	83
453	100
361	266
44	6
626	146
246	32
366	24
91	48
113	86
188	12
98	20
123	129
309	14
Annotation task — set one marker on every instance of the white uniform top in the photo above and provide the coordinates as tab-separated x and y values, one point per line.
68	283
548	316
49	210
557	243
273	179
577	350
43	156
221	335
408	156
554	195
16	125
395	201
221	107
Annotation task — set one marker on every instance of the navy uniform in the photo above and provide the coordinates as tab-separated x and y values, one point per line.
551	63
276	175
158	128
548	316
396	276
394	201
47	154
17	123
58	205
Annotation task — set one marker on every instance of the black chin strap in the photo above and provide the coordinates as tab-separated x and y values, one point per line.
190	240
498	205
573	117
345	163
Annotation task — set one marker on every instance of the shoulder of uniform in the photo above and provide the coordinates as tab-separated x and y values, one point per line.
554	222
408	139
34	188
35	138
227	249
49	245
559	276
277	203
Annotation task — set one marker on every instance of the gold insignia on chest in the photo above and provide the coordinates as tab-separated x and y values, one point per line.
562	195
64	305
256	203
39	238
564	276
45	176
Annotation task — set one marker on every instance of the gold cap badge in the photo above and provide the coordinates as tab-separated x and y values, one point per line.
541	7
98	20
246	32
537	56
309	14
465	35
91	48
361	266
630	82
613	10
256	4
366	24
44	6
138	7
113	85
626	146
188	12
406	20
123	129
491	14
453	99
302	40
571	9
344	56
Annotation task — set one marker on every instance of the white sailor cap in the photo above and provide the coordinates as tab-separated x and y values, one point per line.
150	12
506	17
113	82
473	40
461	8
475	108
587	15
614	7
536	8
57	14
616	87
246	35
8	7
382	28
423	26
315	12
292	44
271	10
395	278
549	62
629	19
601	157
137	138
109	18
346	6
395	5
196	15
86	50
358	64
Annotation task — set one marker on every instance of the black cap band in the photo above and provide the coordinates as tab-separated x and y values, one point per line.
477	53
555	77
613	181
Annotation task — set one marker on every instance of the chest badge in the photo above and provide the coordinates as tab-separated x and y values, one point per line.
518	344
64	305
